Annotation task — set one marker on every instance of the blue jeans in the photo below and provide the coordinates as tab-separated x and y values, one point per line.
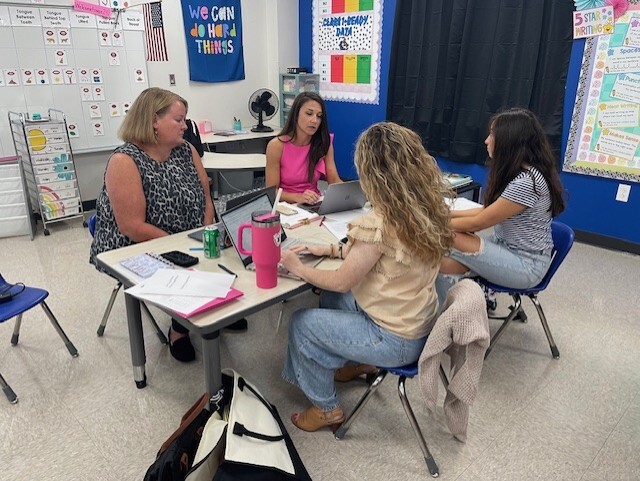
497	263
326	338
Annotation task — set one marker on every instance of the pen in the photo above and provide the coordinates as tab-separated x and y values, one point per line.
228	271
321	221
196	248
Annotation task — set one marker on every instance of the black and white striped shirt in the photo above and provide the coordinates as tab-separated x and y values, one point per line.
530	230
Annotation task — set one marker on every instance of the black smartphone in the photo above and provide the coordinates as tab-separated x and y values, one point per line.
180	258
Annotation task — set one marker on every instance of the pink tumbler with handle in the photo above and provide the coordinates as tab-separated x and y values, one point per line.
265	245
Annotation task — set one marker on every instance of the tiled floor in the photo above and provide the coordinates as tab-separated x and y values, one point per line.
577	418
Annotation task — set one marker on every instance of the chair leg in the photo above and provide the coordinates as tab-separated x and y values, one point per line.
70	347
161	336
428	458
514	312
11	396
16	330
543	319
107	311
342	430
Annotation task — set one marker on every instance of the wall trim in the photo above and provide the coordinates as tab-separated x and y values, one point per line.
612	243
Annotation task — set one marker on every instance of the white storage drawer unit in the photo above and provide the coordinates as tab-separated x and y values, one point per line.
14	213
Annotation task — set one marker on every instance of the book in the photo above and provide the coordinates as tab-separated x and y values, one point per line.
457	180
145	265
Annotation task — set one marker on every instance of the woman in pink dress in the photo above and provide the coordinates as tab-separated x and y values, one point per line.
302	153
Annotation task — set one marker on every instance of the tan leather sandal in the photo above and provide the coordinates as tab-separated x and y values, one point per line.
350	372
313	419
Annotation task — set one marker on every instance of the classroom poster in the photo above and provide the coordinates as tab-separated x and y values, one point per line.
604	137
347	36
213	30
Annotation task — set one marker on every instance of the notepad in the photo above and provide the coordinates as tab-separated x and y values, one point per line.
298	216
145	265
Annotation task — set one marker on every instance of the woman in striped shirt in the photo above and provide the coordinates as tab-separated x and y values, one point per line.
523	194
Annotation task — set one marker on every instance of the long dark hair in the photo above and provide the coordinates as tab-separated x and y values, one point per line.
520	141
320	141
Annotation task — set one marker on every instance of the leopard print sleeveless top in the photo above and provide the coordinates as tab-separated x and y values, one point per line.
175	198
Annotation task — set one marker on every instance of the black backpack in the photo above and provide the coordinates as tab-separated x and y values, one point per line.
192	135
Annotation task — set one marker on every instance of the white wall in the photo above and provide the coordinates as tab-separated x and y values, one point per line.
270	42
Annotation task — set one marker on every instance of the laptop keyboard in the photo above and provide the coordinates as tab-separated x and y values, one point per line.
220	204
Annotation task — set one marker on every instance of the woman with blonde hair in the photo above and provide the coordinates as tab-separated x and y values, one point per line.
154	186
379	306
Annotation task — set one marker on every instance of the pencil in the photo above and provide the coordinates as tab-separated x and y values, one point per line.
228	271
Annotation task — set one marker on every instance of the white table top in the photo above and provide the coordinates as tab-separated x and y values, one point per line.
246	281
212	138
224	161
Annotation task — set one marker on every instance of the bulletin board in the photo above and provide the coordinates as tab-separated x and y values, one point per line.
91	68
347	37
604	137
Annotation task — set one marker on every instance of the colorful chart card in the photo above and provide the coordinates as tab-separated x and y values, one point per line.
604	137
347	37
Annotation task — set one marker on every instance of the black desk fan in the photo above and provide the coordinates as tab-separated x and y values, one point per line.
263	105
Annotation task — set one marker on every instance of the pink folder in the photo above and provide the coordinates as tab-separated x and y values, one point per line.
218	301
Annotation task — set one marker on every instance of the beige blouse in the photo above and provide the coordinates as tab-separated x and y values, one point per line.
399	292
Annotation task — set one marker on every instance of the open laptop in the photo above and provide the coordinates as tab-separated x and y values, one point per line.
338	198
232	218
235	201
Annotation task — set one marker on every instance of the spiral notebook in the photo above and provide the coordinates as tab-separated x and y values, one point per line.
145	265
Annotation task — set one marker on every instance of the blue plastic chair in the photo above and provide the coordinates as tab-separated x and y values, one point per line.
105	317
22	301
563	237
403	372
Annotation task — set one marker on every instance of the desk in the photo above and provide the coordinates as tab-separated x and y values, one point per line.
216	162
251	142
207	325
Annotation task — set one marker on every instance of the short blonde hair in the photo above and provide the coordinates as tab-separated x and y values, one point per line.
405	186
137	126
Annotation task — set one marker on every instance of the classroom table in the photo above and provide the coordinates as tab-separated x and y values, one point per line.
206	326
249	142
217	162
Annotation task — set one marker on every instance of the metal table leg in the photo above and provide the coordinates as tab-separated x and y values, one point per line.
211	361
136	340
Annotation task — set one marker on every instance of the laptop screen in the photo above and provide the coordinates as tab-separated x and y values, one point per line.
232	219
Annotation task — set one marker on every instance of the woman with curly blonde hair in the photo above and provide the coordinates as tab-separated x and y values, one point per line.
379	306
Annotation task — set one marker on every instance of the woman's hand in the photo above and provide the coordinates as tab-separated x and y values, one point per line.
289	259
316	250
309	197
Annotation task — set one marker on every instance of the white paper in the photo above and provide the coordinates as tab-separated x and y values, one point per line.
461	203
300	215
186	283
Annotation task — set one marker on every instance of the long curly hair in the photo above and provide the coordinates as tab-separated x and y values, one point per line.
321	140
519	140
405	186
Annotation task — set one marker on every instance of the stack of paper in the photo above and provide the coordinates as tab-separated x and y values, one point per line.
292	216
186	292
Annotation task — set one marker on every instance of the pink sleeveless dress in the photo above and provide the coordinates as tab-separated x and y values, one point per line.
294	166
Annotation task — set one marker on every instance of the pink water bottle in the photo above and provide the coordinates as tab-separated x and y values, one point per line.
265	245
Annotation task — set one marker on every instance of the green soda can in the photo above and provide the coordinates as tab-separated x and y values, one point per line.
210	244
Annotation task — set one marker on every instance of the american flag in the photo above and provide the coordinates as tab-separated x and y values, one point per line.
154	32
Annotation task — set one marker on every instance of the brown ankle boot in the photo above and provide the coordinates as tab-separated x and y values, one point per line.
313	419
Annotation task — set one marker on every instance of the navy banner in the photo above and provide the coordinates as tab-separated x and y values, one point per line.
213	29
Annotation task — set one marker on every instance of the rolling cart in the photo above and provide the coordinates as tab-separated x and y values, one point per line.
46	159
